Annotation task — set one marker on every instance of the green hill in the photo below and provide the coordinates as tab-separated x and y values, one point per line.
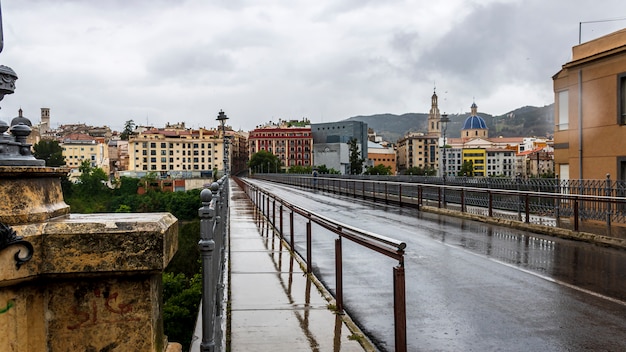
526	121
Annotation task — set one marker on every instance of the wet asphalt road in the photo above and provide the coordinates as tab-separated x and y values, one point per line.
470	286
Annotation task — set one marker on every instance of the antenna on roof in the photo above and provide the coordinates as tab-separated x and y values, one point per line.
580	25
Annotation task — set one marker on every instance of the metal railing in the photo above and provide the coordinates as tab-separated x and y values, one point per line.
545	203
213	234
270	205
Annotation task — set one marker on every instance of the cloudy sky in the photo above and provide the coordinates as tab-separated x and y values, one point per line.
105	62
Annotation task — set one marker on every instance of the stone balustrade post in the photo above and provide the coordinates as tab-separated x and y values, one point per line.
92	282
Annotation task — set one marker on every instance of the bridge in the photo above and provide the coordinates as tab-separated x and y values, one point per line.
414	270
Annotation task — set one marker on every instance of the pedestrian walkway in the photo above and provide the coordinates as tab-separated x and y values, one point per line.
274	306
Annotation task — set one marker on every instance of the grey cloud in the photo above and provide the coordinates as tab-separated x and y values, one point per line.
193	63
171	60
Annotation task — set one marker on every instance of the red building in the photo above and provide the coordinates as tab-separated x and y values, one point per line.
293	145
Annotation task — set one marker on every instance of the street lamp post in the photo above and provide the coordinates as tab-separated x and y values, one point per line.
221	117
444	126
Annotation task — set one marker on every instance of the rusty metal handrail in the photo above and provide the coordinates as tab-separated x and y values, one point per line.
381	244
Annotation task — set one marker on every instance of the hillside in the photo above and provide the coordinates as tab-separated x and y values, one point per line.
527	121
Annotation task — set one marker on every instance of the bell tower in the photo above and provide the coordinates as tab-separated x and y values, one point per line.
434	117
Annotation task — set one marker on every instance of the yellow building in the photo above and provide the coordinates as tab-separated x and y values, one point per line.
478	158
169	151
78	147
590	110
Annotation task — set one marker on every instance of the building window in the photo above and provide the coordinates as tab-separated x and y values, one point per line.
563	114
622	98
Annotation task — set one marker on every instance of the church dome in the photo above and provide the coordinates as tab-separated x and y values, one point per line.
474	122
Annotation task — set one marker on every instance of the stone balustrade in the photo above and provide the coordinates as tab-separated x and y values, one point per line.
92	282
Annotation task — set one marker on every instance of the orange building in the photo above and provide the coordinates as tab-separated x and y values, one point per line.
379	155
590	110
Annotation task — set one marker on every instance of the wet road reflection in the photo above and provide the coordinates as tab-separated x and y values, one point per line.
278	250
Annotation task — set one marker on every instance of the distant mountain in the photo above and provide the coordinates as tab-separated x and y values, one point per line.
528	121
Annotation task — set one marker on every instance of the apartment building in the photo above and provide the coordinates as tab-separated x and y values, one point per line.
478	158
169	151
501	162
590	110
417	150
380	155
78	147
292	144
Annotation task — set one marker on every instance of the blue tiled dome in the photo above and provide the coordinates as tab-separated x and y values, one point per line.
474	122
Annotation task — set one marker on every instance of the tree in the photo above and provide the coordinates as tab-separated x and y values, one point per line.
149	182
50	151
264	161
356	162
128	131
379	169
414	170
467	169
299	169
323	169
92	181
126	186
430	171
418	171
181	300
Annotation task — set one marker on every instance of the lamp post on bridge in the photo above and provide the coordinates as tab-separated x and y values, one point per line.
221	117
444	125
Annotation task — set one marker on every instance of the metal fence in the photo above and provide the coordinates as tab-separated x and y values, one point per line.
274	209
213	236
540	201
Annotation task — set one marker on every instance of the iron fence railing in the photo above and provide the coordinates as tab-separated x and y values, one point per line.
274	208
539	201
213	236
